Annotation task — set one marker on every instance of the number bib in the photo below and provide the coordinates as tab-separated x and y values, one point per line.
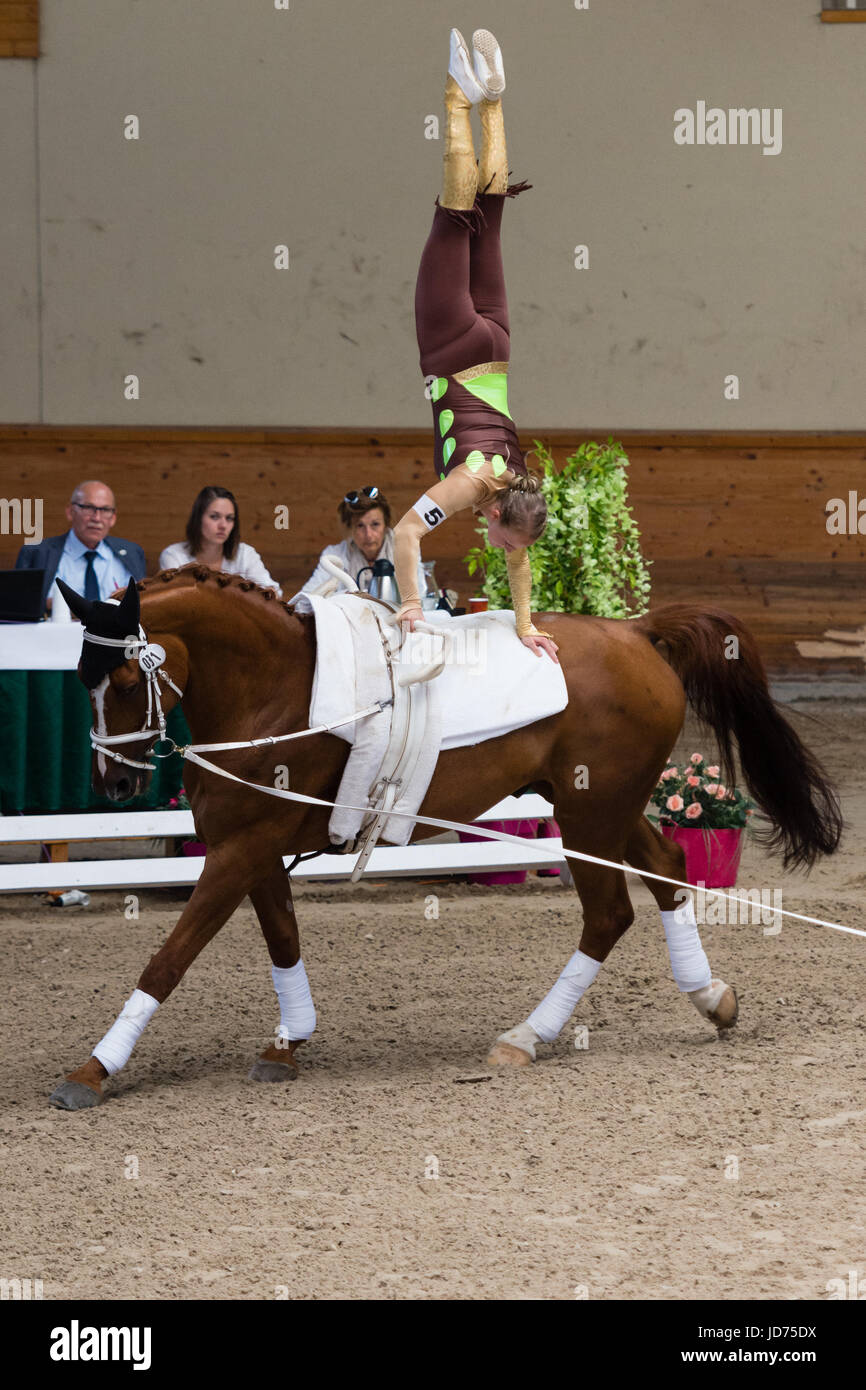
428	511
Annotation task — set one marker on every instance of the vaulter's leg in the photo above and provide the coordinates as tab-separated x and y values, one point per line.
648	849
224	883
272	900
607	914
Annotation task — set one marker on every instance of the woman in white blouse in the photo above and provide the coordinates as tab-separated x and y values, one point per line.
366	515
213	538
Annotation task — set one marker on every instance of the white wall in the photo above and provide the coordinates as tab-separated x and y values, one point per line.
307	127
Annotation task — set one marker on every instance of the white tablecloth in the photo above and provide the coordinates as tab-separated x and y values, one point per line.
40	646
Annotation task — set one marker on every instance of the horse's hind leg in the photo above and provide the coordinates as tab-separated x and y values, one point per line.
607	914
648	849
272	900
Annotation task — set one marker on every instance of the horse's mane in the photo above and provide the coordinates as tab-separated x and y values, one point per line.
194	573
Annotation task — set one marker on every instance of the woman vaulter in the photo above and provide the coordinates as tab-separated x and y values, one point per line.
461	317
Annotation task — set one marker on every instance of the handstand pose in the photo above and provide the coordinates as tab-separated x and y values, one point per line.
461	318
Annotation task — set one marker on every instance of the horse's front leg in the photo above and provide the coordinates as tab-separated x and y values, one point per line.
272	900
226	878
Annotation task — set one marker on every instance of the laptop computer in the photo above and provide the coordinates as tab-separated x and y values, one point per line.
21	596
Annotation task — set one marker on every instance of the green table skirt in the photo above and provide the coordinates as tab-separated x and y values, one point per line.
45	754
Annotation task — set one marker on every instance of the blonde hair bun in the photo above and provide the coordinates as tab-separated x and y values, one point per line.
528	483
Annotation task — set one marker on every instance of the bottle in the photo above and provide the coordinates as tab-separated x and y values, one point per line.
73	898
430	596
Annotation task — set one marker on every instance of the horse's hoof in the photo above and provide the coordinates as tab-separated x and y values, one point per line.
262	1070
727	1011
74	1095
717	1002
275	1063
503	1054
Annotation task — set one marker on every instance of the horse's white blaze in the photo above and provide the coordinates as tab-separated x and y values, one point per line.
98	696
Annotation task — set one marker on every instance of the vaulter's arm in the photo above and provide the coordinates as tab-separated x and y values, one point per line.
457	490
520	583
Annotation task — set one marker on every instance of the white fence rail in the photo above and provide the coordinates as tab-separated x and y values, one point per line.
418	860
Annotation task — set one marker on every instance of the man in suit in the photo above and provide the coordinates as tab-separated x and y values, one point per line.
86	557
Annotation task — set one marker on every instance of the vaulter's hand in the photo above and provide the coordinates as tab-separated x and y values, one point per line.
411	617
541	644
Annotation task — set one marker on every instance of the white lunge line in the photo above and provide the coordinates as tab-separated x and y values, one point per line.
535	847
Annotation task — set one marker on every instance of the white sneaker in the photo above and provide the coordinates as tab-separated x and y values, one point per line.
461	69
489	69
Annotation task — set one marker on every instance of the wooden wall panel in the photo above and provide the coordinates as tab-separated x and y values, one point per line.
733	519
19	29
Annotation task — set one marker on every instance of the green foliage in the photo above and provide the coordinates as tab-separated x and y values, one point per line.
588	559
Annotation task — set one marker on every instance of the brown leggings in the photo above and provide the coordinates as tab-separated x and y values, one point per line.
461	309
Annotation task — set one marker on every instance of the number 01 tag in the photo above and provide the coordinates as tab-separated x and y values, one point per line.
151	656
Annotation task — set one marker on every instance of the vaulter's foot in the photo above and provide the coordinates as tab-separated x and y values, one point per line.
461	69
489	69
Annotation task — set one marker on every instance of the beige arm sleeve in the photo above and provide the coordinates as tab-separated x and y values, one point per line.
458	490
520	583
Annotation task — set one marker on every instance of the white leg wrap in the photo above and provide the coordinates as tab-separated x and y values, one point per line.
556	1008
688	958
116	1047
297	1011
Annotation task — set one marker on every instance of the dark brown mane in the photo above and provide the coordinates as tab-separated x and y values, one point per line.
200	574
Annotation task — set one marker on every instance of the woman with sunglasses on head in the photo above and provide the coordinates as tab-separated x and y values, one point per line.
367	518
461	318
213	537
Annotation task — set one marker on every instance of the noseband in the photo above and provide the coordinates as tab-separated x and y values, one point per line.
150	658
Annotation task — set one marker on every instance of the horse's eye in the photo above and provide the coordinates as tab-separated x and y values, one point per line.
129	688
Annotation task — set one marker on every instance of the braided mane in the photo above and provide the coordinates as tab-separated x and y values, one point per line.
201	574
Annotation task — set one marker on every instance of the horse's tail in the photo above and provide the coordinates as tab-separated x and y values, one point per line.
718	662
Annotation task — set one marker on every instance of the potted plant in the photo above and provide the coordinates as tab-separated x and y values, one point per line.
180	802
707	818
587	560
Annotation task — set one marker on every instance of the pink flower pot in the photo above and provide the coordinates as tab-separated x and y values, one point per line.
712	856
525	828
548	830
193	848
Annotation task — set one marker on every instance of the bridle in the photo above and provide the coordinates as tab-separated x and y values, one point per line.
150	658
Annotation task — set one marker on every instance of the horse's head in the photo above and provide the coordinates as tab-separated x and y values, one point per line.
125	697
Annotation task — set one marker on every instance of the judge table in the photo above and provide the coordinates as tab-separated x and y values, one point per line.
45	722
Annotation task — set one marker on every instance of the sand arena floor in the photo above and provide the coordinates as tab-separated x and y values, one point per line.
658	1162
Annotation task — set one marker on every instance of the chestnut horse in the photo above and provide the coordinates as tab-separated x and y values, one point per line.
244	663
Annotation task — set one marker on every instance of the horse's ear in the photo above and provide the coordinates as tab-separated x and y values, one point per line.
130	607
80	606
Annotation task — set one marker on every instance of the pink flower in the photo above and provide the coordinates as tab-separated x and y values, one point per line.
721	793
668	773
693	781
712	788
694	810
675	803
713	771
696	758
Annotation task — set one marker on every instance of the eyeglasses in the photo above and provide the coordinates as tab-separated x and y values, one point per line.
93	511
353	498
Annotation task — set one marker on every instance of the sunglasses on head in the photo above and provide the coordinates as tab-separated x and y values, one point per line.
353	498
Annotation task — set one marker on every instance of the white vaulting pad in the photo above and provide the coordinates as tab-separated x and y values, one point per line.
491	684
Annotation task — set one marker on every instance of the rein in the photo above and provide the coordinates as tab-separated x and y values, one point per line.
152	655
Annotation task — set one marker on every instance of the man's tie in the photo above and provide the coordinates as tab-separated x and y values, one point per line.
91	583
